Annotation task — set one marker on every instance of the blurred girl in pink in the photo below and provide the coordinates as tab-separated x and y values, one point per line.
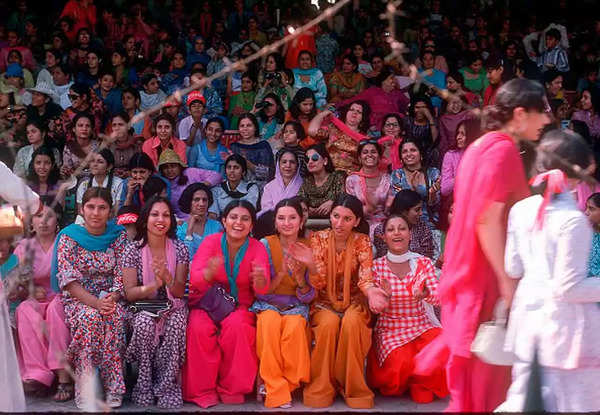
42	332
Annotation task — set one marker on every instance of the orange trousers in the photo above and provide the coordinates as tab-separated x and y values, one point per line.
282	348
397	373
338	358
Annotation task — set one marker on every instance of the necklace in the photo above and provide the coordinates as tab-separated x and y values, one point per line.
398	259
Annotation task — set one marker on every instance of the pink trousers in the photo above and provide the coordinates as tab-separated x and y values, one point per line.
221	362
43	339
475	386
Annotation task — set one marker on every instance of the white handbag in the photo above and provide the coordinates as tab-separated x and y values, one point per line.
488	344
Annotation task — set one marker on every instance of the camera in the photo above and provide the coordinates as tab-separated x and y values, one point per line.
273	75
263	104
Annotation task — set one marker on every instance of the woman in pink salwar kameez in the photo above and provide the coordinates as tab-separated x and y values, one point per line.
221	360
42	332
490	179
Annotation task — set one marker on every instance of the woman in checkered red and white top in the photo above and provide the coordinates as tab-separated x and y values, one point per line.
407	324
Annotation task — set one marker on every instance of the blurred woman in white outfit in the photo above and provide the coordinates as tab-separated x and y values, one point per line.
554	307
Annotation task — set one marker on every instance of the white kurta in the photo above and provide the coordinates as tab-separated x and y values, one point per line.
554	308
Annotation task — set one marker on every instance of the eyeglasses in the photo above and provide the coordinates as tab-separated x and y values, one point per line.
365	142
391	125
315	157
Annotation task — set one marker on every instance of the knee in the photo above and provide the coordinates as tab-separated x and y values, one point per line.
352	319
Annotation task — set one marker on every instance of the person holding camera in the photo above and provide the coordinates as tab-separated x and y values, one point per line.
272	78
271	115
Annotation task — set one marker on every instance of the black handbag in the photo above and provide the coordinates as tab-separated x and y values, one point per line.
153	307
217	303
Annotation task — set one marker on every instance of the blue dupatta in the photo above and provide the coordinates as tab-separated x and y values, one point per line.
87	241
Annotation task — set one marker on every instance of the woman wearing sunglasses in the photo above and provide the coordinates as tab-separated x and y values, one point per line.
323	183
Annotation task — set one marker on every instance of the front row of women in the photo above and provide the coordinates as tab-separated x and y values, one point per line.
281	286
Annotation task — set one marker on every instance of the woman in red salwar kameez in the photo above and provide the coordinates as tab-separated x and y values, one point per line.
490	179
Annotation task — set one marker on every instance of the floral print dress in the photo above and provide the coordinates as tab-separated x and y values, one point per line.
97	341
157	344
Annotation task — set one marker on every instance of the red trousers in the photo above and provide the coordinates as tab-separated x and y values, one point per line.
219	364
396	376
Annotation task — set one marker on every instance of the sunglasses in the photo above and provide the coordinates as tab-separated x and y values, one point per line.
73	97
315	157
365	142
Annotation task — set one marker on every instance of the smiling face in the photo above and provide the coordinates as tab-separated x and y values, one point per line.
455	105
555	85
305	61
238	223
397	235
287	221
44	222
369	156
159	219
391	127
95	215
343	221
288	166
414	214
358	51
213	132
348	66
586	101
42	165
410	154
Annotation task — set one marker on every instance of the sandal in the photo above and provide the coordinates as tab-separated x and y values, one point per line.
64	392
114	401
34	388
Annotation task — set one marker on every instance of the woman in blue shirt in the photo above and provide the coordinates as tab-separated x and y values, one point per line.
195	200
209	153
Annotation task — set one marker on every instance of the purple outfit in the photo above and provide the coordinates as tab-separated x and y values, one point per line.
276	190
159	357
381	103
592	121
193	175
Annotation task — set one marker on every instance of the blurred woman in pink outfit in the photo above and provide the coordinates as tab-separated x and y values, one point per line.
42	333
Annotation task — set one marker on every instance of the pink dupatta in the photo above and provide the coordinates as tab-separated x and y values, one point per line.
148	276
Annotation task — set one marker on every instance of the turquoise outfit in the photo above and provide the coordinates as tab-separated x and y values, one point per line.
211	226
594	264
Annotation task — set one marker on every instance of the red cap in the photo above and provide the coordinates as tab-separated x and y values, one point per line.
172	102
195	96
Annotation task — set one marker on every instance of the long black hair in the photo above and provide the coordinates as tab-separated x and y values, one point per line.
301	95
243	204
355	205
53	176
279	114
141	226
513	94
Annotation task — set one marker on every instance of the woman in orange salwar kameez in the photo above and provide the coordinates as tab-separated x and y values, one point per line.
407	324
340	271
490	179
221	358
